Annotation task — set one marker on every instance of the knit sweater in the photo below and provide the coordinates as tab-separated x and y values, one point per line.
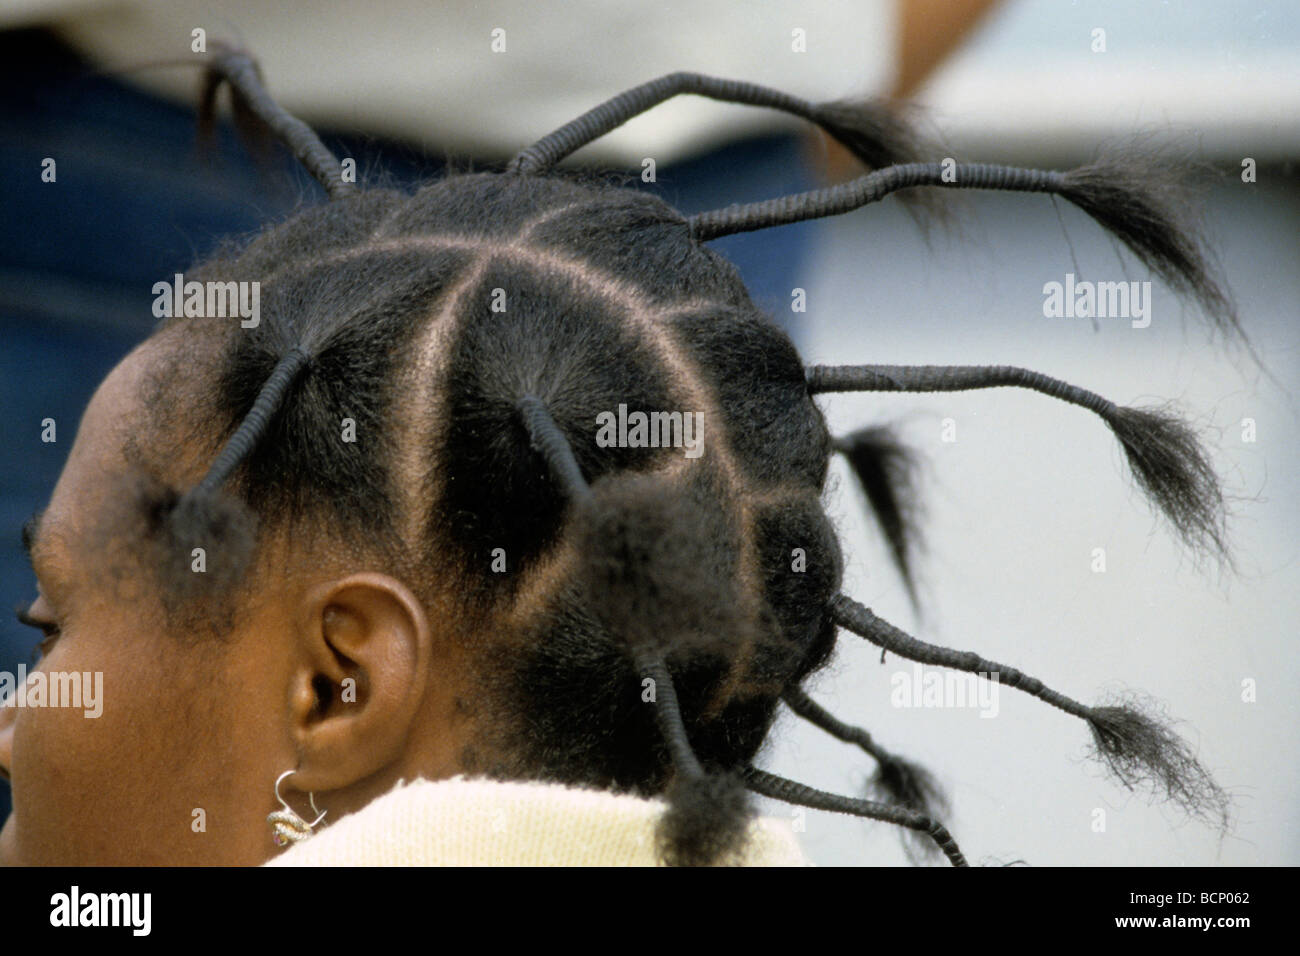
479	822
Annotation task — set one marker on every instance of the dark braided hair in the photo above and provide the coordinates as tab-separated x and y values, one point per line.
652	615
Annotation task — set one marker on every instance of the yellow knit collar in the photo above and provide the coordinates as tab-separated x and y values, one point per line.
479	822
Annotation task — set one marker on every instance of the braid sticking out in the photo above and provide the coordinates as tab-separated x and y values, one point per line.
1163	452
707	813
257	114
633	611
1136	748
897	781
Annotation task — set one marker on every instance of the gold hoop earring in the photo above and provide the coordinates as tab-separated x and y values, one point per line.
287	826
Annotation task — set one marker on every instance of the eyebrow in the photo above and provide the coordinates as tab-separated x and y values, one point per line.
31	529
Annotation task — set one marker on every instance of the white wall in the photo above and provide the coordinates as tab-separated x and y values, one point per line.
1016	506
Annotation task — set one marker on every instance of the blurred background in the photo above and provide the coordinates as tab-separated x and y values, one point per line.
1015	506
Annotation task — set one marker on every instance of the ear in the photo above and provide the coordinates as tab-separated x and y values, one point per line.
365	648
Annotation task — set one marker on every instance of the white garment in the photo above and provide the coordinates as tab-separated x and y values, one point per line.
480	822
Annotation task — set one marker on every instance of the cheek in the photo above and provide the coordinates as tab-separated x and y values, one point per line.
122	788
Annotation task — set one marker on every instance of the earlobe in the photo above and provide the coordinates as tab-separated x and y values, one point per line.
366	652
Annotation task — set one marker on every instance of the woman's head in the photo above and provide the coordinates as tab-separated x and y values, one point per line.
391	584
508	477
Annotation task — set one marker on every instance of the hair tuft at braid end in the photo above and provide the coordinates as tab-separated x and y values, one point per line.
1174	471
907	784
886	470
1142	752
707	820
1140	196
881	133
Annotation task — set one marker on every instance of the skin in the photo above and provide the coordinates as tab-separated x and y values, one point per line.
190	722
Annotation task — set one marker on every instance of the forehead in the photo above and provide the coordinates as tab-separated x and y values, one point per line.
118	437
